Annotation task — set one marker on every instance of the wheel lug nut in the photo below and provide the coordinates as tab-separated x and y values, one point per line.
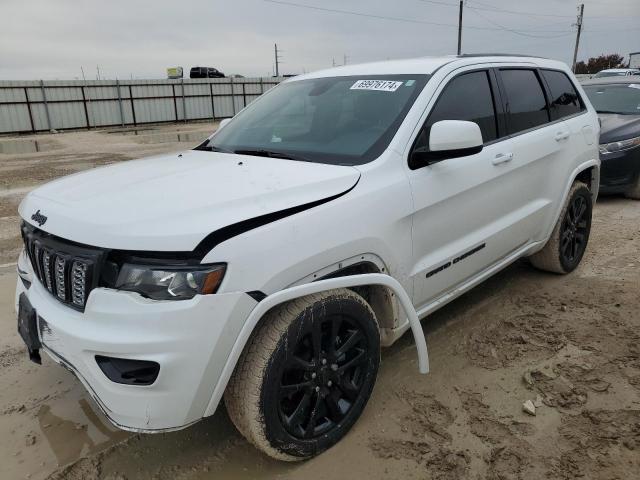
334	366
324	361
329	383
317	389
314	375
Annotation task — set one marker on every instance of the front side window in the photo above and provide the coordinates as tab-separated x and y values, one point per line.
526	103
338	120
622	98
466	97
564	97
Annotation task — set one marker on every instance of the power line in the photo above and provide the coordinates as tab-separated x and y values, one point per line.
492	8
359	14
495	9
398	19
518	32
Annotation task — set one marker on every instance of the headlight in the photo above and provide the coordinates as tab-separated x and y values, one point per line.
619	146
169	282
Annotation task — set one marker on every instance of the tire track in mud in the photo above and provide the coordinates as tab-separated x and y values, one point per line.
601	442
509	453
429	444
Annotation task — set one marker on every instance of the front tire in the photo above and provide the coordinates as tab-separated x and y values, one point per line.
306	374
566	246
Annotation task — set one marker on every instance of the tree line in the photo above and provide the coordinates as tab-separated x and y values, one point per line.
602	62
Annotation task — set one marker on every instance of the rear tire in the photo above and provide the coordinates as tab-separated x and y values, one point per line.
306	374
566	246
634	191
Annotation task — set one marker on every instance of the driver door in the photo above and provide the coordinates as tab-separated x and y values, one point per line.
465	209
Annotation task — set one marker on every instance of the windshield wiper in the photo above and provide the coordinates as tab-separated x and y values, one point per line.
271	154
212	148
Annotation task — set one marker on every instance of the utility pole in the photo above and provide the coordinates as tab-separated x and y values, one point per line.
345	58
277	57
579	24
460	28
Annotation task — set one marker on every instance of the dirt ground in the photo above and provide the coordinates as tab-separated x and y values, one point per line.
570	344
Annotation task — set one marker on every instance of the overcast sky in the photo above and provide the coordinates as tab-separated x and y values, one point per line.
139	38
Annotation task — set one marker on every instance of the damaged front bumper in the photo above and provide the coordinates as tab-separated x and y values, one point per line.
189	340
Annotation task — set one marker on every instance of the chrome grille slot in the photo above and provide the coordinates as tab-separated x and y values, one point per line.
78	283
61	283
46	270
67	270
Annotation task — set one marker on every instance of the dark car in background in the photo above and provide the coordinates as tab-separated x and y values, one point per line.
205	72
617	101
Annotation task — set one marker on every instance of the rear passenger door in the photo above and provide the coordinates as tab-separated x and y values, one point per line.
541	144
568	112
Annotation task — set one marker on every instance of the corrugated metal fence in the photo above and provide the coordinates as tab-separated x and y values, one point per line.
35	106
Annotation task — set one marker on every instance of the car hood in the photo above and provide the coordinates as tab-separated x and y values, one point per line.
614	127
172	202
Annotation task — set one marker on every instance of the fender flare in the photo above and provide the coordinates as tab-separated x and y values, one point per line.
287	294
572	178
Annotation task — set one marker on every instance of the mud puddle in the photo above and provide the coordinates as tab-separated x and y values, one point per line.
19	147
174	137
135	131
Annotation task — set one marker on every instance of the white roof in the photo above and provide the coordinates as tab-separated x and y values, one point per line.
424	65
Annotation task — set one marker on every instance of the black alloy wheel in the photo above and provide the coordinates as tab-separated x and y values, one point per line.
575	228
323	376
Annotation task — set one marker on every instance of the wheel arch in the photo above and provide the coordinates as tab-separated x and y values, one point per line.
380	298
283	296
590	176
588	172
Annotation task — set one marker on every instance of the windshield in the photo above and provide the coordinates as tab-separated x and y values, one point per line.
338	120
622	98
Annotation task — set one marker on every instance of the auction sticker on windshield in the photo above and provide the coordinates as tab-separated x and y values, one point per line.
380	85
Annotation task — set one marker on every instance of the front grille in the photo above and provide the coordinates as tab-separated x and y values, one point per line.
69	271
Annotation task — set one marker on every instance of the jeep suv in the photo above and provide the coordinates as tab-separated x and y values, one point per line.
270	264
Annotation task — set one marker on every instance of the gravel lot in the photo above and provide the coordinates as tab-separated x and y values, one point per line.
569	343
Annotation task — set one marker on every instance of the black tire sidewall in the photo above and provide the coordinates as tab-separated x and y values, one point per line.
275	432
585	193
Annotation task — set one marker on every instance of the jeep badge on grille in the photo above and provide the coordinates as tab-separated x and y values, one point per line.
39	218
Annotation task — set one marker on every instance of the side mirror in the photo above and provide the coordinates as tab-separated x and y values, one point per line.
449	139
223	123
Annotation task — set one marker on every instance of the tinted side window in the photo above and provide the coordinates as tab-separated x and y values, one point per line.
564	97
467	97
526	103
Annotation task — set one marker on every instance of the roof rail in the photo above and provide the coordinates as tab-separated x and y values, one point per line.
471	55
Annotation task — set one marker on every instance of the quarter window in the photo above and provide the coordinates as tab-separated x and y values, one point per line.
467	97
526	102
564	97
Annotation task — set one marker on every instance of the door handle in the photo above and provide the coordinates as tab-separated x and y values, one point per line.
502	158
561	136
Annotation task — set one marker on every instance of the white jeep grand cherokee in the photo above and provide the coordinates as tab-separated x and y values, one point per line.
270	263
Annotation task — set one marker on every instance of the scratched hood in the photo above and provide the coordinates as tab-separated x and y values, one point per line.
171	202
